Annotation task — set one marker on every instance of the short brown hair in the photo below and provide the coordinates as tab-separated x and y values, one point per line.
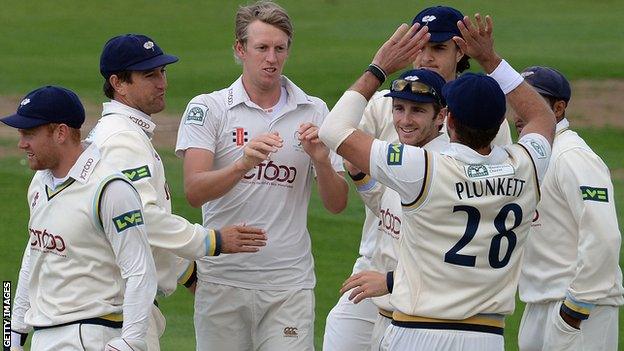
265	11
109	91
472	137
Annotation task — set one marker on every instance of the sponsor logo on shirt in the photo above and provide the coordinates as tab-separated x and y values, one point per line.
273	174
35	198
291	332
43	241
297	143
538	149
135	174
86	168
128	220
484	171
239	136
390	223
395	154
196	114
594	194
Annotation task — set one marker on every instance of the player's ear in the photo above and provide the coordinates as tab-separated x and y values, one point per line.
117	84
559	109
239	48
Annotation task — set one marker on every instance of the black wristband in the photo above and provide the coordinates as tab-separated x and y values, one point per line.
377	72
191	280
217	243
358	176
390	281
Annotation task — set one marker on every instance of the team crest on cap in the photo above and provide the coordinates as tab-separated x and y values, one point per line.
527	74
148	45
427	19
25	102
411	78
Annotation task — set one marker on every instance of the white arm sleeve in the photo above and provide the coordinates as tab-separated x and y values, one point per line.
165	229
133	256
343	119
21	302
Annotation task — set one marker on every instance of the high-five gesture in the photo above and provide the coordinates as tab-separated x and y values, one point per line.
478	42
402	48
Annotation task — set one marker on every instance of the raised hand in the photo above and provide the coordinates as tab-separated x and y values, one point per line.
241	238
260	148
478	42
365	284
402	48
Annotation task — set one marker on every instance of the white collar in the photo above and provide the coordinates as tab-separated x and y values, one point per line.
562	125
137	117
82	169
238	95
467	155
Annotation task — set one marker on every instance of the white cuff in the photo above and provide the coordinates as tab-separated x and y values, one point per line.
507	77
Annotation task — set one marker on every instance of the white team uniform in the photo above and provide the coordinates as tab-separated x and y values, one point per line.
87	250
444	250
573	254
123	135
349	326
273	196
387	204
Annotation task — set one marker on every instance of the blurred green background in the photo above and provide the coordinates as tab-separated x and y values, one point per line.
59	42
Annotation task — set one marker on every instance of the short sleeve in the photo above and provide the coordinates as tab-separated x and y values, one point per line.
399	167
199	127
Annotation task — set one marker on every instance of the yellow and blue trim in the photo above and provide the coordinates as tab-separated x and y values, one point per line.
53	192
575	308
111	320
189	277
97	200
483	322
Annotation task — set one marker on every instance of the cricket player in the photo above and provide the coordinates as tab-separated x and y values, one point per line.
133	67
87	279
571	278
251	153
349	326
466	210
417	117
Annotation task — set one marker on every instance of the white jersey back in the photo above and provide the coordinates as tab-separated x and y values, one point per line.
73	271
468	225
273	196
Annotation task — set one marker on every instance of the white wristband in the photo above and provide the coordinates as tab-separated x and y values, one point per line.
506	76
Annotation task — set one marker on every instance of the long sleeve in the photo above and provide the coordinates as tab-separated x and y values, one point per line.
21	302
132	254
165	230
586	185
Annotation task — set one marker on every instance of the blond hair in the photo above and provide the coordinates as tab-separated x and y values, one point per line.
264	11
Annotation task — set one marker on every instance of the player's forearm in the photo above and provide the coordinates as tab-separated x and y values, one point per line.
21	302
176	234
204	186
332	187
138	299
370	192
343	120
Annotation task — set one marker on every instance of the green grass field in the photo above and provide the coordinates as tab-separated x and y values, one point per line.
59	42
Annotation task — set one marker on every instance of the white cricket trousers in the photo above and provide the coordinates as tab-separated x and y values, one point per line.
384	319
349	326
408	339
73	337
237	319
542	328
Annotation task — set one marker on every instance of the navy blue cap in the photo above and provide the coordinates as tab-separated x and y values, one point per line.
132	52
49	104
548	81
475	100
442	22
430	78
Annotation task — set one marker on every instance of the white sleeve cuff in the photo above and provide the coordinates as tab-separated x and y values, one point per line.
507	77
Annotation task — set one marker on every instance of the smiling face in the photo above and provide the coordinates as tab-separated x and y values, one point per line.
416	123
441	58
41	150
263	56
145	91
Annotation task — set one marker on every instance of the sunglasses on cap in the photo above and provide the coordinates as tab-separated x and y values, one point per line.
416	87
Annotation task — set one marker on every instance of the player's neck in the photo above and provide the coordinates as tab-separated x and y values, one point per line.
265	96
67	161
